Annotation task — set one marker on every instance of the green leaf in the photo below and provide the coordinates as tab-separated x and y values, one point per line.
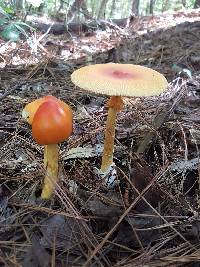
9	10
3	12
20	29
10	33
3	21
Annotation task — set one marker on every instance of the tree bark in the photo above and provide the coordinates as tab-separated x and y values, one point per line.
75	8
101	13
61	5
19	4
151	6
197	4
85	10
183	3
165	5
112	11
135	7
93	7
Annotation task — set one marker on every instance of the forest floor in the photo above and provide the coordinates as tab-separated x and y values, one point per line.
151	216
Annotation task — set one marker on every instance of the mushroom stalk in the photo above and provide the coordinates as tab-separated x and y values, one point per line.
51	166
107	158
115	104
45	157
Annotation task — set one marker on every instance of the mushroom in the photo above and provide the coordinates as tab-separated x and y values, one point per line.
51	121
29	111
117	80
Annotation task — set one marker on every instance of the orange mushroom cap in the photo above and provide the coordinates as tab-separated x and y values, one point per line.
52	123
31	108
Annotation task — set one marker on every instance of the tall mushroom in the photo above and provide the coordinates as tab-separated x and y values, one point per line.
51	121
117	80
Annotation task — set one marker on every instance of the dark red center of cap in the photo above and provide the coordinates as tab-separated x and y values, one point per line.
120	74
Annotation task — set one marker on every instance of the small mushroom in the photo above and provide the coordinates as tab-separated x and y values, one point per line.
30	109
51	121
51	125
117	80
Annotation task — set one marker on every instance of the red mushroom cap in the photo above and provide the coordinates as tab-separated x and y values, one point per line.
31	108
52	123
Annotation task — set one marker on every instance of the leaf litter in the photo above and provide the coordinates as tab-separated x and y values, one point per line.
151	217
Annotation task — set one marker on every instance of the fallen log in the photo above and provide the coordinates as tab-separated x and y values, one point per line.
58	28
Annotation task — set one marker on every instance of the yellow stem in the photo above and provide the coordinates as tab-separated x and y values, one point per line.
51	153
45	157
115	104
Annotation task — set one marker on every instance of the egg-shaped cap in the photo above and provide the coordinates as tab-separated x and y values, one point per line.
120	80
30	109
51	124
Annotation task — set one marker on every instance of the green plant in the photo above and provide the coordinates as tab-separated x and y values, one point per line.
11	29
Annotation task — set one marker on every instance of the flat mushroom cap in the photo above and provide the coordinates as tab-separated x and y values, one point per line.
120	80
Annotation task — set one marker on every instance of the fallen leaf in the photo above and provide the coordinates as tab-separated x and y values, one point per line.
61	232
